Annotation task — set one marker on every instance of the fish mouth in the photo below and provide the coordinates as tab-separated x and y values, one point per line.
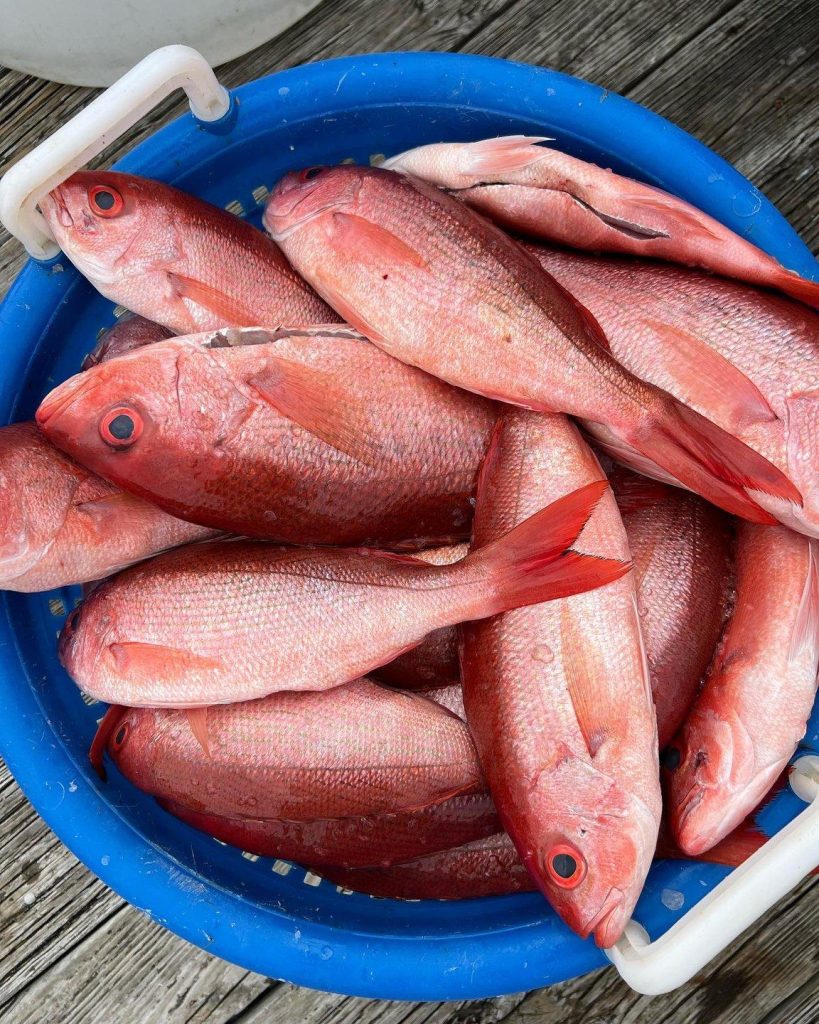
57	402
603	925
691	828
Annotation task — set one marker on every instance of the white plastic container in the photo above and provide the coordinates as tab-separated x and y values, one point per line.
94	42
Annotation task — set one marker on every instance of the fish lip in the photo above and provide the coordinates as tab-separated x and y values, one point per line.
598	924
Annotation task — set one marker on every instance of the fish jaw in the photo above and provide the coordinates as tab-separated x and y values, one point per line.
299	198
608	924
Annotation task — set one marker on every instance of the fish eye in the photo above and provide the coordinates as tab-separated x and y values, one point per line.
670	758
311	172
565	866
121	427
105	200
121	735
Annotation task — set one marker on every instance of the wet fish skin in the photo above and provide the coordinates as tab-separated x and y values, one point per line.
176	259
129	332
542	192
60	524
758	694
419	273
433	664
219	444
558	697
486	867
747	359
378	840
225	764
230	621
681	548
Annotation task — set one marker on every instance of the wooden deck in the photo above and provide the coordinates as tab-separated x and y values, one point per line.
742	76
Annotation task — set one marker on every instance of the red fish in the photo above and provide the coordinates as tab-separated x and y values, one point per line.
760	688
129	332
681	549
434	663
234	620
486	867
309	435
558	697
437	286
745	358
550	195
60	524
222	762
173	258
378	840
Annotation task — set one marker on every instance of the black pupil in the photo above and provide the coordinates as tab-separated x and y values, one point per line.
121	427
564	865
312	172
120	736
671	758
104	200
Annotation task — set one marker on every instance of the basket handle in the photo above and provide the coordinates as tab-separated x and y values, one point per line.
95	127
652	968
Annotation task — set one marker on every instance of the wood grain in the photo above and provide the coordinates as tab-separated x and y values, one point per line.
741	75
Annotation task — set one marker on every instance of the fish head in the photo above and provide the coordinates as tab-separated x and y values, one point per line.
132	744
592	862
706	768
129	332
302	196
111	226
150	420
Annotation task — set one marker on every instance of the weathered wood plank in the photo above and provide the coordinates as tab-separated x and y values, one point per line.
287	1004
132	970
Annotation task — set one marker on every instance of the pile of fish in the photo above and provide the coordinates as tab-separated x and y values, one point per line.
416	537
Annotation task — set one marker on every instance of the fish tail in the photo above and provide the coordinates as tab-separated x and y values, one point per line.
709	460
534	562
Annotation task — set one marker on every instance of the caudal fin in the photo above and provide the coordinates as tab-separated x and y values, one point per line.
534	562
709	460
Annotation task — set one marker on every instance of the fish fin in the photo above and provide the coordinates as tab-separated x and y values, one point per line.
594	716
109	722
797	287
312	399
635	493
805	635
198	721
533	562
709	460
222	305
367	238
149	662
710	379
507	153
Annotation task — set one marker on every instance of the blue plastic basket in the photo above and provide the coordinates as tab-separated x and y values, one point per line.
270	916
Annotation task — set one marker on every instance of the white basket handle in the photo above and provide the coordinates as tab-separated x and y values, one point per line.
652	968
95	127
